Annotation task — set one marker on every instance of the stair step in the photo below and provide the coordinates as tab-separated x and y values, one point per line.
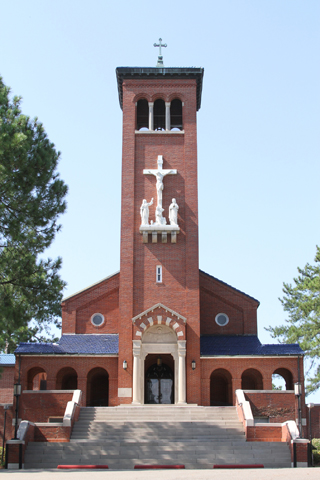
122	437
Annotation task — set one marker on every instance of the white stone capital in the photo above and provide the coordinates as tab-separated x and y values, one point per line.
136	348
182	349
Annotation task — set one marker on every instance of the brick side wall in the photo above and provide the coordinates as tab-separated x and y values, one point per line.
264	433
101	298
52	433
217	297
38	407
278	406
315	421
108	306
6	384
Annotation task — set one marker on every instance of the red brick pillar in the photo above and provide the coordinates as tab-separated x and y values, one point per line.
14	454
82	385
236	385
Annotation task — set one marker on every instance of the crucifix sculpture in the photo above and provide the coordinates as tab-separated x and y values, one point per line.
159	173
160	57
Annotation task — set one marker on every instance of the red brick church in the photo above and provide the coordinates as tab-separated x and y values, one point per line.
160	331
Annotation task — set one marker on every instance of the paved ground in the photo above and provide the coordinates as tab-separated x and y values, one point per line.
259	474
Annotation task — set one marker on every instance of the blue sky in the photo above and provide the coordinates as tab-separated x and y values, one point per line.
258	126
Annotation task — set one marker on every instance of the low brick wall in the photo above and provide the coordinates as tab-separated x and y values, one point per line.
315	421
279	406
39	405
264	433
51	433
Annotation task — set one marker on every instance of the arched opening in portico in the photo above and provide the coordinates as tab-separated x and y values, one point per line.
67	379
97	387
220	388
251	379
37	379
285	378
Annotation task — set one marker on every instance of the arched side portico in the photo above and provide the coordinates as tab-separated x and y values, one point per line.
159	339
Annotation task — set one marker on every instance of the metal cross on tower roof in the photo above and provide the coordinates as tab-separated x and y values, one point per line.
160	57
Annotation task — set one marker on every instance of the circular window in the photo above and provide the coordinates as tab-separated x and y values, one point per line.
97	319
222	319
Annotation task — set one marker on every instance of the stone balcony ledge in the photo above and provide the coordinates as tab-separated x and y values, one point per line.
156	229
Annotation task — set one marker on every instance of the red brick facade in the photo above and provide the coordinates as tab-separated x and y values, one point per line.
194	297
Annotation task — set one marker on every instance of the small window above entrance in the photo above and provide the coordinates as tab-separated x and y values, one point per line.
159	274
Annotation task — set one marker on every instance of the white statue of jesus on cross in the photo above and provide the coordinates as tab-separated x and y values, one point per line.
159	173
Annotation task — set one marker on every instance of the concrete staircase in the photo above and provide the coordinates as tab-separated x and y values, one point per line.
122	437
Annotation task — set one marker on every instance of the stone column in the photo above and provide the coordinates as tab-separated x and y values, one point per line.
168	126
136	394
182	398
151	116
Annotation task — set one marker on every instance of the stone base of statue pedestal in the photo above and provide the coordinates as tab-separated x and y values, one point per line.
163	230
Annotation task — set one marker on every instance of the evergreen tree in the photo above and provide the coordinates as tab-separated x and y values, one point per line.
31	199
302	302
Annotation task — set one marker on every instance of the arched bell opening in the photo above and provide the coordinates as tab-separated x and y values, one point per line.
220	388
282	377
37	379
159	379
142	114
67	379
251	379
159	115
176	114
97	388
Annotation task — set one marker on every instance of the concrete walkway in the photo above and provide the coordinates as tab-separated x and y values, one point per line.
259	474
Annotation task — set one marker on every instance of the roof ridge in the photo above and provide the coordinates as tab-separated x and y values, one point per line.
228	285
90	286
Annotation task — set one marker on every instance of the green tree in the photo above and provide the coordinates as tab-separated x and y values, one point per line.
302	302
31	199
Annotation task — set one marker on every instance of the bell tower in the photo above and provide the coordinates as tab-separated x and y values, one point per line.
159	214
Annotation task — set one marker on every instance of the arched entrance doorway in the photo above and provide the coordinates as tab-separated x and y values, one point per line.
159	340
97	388
159	380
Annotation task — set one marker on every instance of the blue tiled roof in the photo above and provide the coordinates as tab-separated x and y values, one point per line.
75	344
7	359
212	345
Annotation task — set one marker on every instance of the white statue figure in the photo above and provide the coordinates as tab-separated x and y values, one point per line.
159	187
160	220
173	212
159	173
144	211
